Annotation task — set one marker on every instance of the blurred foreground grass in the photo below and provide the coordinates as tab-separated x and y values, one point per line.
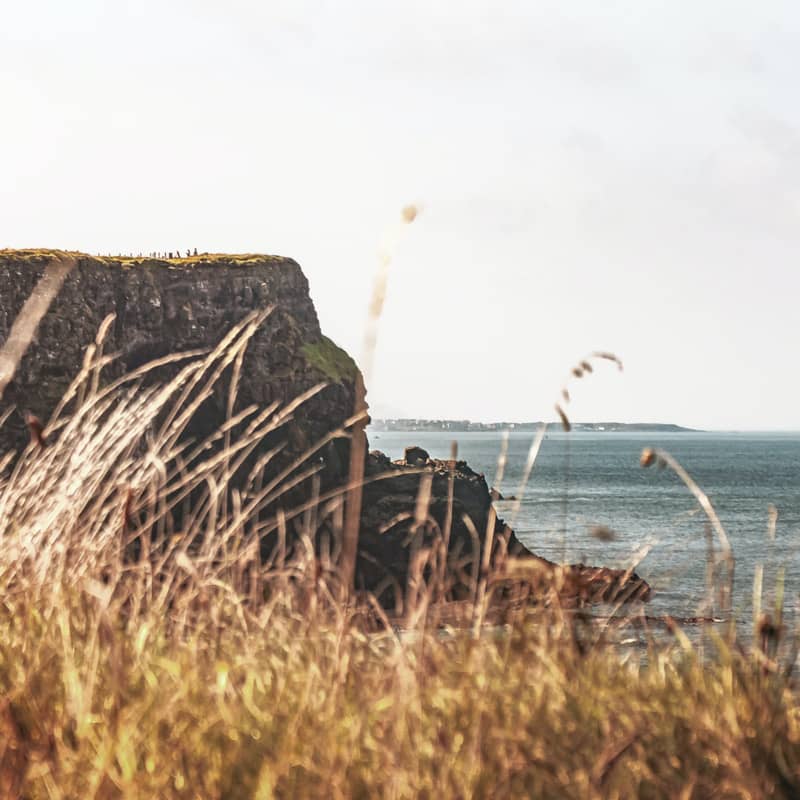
305	705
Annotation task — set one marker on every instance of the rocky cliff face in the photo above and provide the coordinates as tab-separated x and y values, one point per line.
165	307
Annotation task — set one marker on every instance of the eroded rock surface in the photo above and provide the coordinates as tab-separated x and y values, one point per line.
165	307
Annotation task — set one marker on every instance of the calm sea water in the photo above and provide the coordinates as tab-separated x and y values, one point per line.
582	480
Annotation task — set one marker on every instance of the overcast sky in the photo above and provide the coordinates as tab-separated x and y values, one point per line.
617	176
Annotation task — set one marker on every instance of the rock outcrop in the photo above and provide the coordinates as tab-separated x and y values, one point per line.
391	533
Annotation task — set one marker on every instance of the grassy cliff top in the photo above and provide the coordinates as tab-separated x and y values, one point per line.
38	256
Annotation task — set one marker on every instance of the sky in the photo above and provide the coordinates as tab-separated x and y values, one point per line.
620	176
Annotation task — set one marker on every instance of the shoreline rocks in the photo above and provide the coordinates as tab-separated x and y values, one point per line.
393	537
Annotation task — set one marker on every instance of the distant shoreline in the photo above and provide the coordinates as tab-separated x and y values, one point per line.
465	426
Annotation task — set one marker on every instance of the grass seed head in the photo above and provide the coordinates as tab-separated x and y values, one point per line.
608	357
603	533
648	457
410	214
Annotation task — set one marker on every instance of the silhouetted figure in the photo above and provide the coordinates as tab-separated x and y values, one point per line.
195	251
170	254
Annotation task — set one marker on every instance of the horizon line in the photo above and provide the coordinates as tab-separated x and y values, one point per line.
557	423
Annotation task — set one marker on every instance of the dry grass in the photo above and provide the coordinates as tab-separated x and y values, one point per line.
142	659
304	705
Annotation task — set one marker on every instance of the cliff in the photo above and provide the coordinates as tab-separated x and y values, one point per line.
169	306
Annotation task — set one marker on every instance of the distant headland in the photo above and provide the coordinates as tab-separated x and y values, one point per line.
464	425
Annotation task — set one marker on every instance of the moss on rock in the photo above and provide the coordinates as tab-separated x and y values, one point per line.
329	359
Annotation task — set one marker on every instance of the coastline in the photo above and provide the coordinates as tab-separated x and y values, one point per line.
414	425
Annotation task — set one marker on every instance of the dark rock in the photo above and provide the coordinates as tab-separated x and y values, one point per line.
586	584
388	533
416	456
389	536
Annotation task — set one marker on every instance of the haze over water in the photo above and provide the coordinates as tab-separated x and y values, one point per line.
582	480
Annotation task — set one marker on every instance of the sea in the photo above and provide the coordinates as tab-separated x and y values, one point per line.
582	480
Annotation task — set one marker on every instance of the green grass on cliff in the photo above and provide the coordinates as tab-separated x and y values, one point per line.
140	660
327	357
